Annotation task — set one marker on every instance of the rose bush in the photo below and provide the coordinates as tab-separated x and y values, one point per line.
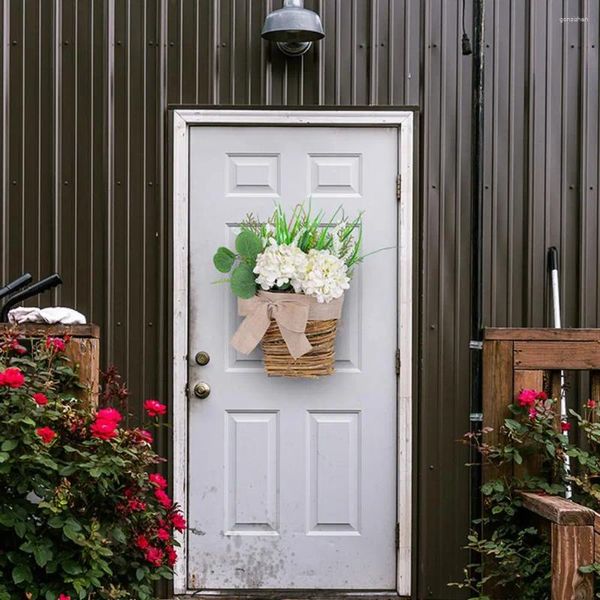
514	555
82	515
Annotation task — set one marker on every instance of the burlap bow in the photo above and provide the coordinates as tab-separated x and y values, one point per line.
290	311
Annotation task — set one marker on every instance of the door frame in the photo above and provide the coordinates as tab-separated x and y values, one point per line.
182	121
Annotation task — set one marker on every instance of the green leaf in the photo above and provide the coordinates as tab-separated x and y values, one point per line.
73	524
248	244
224	259
42	555
7	519
56	522
21	573
8	445
71	567
118	535
73	535
4	456
243	281
20	528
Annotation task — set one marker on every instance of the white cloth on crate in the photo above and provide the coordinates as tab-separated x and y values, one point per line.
55	314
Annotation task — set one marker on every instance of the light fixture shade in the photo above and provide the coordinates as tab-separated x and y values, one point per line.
293	23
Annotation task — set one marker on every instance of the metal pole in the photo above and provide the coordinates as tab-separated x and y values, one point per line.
476	344
553	267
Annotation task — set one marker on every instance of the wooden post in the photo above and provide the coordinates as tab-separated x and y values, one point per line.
83	349
572	547
595	386
497	390
573	543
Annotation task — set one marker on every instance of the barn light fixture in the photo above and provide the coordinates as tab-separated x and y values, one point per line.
293	27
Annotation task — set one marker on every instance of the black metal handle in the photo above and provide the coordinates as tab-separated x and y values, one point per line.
15	285
552	258
33	290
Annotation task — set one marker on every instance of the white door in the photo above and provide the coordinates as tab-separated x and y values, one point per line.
292	483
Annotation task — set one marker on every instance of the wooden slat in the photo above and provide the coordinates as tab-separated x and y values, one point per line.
540	335
497	389
557	355
596	537
41	330
85	353
558	510
572	547
595	386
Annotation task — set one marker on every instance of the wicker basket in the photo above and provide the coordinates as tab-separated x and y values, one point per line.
316	363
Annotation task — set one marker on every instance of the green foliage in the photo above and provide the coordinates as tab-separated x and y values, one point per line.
307	231
248	245
243	282
515	557
224	259
73	504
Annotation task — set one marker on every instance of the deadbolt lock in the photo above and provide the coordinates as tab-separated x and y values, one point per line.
202	390
202	358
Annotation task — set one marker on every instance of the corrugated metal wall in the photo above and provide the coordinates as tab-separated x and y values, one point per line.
85	88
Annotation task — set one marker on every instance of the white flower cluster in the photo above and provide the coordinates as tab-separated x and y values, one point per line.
318	273
325	276
279	265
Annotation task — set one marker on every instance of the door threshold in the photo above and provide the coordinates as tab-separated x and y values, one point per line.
289	595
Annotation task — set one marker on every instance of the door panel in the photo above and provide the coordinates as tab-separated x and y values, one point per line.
292	483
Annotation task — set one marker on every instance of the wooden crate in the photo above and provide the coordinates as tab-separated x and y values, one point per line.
83	348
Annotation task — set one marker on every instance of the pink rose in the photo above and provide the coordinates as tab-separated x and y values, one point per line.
527	397
154	556
109	414
46	434
154	408
55	344
104	430
40	399
178	521
163	498
12	377
158	480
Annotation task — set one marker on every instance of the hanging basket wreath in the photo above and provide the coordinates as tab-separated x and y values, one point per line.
290	275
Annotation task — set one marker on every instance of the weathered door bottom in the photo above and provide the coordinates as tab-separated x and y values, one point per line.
293	595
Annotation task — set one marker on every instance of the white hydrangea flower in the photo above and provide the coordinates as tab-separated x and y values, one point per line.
325	276
279	265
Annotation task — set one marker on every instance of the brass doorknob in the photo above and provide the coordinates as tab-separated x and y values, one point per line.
202	358
202	390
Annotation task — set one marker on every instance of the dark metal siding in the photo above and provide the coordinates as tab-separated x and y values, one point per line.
85	86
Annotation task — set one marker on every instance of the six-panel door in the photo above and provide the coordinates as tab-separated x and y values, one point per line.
292	483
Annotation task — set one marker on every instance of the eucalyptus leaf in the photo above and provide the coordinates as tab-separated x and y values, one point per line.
224	259
248	244
243	281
